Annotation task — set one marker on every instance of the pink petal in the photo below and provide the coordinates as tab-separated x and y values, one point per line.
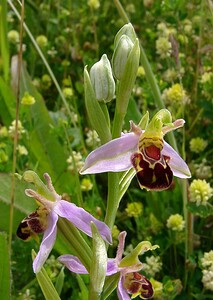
121	244
47	242
73	264
113	156
176	163
112	267
121	291
82	219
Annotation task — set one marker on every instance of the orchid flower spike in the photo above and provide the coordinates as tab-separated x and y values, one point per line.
130	281
44	219
153	159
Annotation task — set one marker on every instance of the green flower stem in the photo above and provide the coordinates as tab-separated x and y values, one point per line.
113	178
113	199
185	212
76	242
121	11
117	124
124	89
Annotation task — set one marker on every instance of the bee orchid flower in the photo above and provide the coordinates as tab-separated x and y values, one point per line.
154	160
44	219
130	281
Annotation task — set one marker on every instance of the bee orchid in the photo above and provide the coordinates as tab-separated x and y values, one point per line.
154	160
44	219
130	281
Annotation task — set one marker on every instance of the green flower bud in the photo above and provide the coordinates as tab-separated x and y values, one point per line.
120	55
128	30
102	80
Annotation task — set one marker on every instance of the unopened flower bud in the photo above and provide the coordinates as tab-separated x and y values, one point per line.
102	80
120	56
128	30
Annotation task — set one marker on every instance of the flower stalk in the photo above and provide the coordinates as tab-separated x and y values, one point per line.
124	89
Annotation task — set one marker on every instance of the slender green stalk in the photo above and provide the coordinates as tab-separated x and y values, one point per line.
121	11
117	124
113	178
15	141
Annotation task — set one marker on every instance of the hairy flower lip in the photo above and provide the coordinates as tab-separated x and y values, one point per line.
114	156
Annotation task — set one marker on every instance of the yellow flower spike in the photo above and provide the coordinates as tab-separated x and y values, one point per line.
132	258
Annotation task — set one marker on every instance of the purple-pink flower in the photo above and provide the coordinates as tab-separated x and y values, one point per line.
130	281
44	220
153	159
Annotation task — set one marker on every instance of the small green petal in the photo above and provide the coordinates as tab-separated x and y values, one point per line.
32	177
132	258
144	121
